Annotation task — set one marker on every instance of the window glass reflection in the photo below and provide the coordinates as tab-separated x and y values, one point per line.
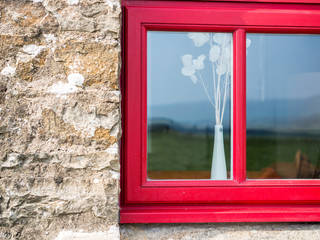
189	78
283	113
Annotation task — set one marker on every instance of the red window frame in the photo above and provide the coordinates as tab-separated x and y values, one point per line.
237	200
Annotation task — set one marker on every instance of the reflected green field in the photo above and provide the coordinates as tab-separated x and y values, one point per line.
264	151
174	151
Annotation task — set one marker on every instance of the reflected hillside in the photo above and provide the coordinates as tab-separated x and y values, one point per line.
294	116
165	125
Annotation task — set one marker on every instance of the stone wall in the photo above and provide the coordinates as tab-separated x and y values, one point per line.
59	119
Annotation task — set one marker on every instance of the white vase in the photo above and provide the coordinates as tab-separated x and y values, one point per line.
218	167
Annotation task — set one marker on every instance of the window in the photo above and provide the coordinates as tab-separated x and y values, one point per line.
262	61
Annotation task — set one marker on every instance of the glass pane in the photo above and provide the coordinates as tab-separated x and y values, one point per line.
283	99
189	78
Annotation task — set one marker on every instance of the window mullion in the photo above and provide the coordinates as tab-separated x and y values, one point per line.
239	106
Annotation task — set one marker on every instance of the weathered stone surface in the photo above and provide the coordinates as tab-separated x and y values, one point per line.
112	233
71	20
59	119
98	63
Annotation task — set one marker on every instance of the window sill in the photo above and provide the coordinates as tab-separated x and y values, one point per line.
220	213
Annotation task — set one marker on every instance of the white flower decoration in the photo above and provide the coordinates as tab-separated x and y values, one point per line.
222	38
228	53
199	39
191	65
188	68
248	42
214	53
194	79
188	71
220	56
221	68
198	63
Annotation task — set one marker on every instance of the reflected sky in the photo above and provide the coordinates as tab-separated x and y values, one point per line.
294	58
282	66
171	94
166	84
283	82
